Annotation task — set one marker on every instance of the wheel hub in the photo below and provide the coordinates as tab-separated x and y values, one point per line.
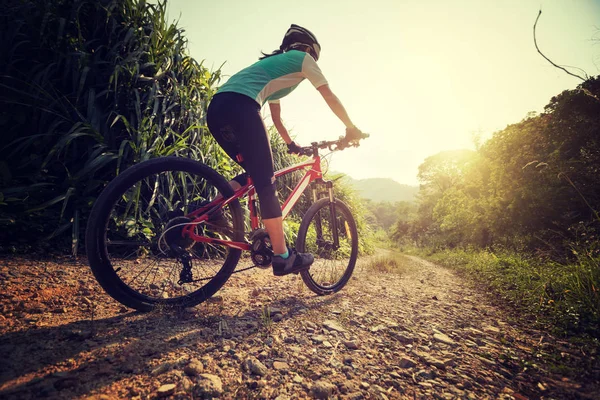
174	234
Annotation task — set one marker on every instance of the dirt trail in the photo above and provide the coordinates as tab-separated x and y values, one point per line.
420	332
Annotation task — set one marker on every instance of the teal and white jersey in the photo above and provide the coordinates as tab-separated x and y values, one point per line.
274	77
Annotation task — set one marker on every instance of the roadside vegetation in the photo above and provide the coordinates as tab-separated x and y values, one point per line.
519	214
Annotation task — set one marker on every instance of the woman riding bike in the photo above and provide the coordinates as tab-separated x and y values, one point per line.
234	120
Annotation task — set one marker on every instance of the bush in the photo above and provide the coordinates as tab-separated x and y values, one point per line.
88	89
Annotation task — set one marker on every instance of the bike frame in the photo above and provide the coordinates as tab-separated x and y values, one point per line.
313	173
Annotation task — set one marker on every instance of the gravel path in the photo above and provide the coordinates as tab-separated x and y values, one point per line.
417	332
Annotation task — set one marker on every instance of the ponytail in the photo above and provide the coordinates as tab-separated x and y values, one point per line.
276	52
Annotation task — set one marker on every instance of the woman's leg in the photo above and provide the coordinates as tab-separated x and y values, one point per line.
237	125
274	227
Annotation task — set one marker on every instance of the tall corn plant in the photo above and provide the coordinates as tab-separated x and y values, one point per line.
88	88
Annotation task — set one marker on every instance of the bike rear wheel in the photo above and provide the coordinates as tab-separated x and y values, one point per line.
334	264
134	243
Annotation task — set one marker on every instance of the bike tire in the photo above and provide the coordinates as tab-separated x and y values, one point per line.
135	180
320	276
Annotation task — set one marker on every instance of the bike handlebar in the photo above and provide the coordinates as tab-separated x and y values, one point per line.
333	145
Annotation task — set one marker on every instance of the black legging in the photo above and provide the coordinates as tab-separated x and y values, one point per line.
235	122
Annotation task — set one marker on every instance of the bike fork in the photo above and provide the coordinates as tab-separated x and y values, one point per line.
333	220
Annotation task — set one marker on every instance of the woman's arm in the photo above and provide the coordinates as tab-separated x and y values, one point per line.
276	117
336	105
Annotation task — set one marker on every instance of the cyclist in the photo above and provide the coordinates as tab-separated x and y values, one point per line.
234	119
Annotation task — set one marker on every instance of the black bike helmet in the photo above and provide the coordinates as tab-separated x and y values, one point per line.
298	36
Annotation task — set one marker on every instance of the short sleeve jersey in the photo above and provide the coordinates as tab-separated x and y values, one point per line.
274	77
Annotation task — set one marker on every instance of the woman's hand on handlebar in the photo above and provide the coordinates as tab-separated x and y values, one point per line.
353	134
352	138
293	148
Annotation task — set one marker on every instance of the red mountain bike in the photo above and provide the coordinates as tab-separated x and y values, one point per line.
170	231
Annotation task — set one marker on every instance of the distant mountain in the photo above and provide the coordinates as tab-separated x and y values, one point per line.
383	189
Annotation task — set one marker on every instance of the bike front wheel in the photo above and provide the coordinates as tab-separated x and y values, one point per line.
134	239
328	231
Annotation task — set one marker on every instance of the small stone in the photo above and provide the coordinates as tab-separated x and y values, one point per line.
424	374
274	310
256	367
194	368
297	379
334	326
351	345
161	369
310	324
449	362
280	366
476	332
166	390
322	389
402	338
435	362
364	385
327	344
440	337
486	361
277	317
375	329
209	386
187	384
406	362
492	329
319	338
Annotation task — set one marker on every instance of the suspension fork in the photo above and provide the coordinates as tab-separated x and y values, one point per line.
319	230
333	220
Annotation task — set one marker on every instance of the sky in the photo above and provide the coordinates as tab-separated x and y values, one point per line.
420	76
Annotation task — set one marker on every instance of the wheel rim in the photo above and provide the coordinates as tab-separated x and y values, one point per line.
332	266
141	233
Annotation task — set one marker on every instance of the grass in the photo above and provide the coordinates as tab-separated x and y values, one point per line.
389	263
266	320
